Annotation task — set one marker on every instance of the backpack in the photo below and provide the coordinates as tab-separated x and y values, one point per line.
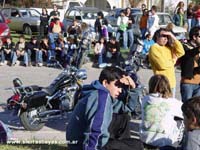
5	133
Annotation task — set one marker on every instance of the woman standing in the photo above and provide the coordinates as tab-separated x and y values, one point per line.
44	18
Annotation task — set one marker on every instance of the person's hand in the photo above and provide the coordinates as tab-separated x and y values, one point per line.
127	80
168	33
113	50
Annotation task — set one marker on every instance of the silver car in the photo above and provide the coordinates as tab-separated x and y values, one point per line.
22	19
164	20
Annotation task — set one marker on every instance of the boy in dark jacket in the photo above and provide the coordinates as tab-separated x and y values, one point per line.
90	126
9	49
190	69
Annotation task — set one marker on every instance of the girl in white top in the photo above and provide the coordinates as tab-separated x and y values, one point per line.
159	111
99	50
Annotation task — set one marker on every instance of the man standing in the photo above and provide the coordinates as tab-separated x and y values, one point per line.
131	21
54	13
164	54
89	125
190	70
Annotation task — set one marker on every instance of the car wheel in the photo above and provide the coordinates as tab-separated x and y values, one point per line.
27	30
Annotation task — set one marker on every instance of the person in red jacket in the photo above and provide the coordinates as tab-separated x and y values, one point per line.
56	28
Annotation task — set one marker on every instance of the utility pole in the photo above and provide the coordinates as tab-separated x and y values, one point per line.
4	1
162	6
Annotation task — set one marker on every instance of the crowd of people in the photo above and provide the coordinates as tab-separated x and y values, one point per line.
167	123
100	120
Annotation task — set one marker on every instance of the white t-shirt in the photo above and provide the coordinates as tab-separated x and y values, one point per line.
158	127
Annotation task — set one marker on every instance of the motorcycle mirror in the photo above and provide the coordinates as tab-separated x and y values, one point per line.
17	82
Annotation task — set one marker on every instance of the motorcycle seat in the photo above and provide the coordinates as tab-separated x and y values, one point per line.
48	90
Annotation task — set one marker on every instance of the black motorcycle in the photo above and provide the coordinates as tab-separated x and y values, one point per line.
35	105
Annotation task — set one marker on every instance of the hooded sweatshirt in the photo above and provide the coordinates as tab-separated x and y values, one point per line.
158	127
192	140
89	122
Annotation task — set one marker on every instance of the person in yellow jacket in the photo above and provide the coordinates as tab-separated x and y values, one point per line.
164	54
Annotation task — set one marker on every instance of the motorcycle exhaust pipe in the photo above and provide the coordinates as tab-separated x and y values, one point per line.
49	113
46	119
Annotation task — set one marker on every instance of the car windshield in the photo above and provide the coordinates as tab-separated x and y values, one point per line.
34	13
89	15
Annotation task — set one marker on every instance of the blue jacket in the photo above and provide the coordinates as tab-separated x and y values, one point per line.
89	122
147	45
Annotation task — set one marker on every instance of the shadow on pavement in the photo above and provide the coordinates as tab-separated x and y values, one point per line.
13	121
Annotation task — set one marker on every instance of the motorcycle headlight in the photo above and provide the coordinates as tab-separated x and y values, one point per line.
81	74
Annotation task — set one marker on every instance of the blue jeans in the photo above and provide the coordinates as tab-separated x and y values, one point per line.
53	36
124	33
130	37
143	32
9	56
2	56
50	54
100	59
39	57
189	90
189	24
14	59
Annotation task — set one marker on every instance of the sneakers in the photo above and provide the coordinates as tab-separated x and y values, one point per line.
39	64
1	63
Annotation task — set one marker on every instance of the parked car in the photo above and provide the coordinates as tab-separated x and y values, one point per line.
22	19
82	14
112	18
164	20
114	14
4	29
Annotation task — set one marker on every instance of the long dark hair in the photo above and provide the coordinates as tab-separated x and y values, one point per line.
157	35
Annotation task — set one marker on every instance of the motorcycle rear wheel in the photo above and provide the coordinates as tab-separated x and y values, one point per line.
30	119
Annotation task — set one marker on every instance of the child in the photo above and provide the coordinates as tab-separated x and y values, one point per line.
191	113
45	48
9	49
99	50
159	128
147	44
21	52
2	55
36	54
71	51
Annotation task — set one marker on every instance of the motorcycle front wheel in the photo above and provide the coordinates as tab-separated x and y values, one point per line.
30	119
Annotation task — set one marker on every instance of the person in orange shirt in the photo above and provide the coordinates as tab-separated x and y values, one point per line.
143	23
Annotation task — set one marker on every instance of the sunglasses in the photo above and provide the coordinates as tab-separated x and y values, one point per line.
162	35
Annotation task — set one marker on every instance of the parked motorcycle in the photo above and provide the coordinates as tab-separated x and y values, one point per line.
140	60
35	105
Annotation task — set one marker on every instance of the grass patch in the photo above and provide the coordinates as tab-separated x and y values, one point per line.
15	36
